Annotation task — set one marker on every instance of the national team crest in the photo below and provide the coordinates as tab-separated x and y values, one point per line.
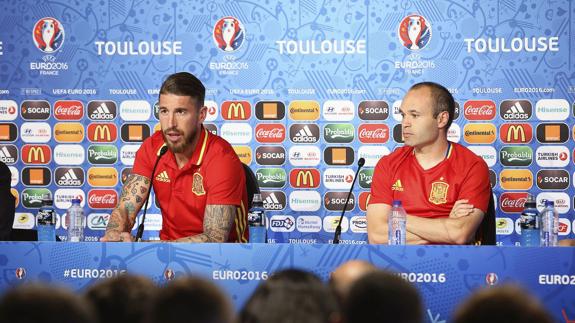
20	273
438	193
414	32
229	34
198	184
48	35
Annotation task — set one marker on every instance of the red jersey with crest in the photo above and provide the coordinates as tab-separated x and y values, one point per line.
214	175
431	193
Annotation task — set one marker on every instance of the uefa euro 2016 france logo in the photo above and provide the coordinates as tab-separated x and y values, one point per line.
48	35
229	34
414	32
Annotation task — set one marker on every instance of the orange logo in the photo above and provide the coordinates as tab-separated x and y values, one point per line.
69	132
102	176
479	133
516	179
304	110
236	110
244	153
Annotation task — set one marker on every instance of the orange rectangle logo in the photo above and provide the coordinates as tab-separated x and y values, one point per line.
135	132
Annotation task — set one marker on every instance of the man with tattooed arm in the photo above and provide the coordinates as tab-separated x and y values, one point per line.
199	182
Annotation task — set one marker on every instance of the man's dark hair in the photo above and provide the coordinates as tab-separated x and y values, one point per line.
8	203
121	299
42	303
442	98
291	295
501	304
185	84
190	300
383	297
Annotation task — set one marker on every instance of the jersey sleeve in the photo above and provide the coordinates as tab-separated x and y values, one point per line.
476	187
226	181
380	184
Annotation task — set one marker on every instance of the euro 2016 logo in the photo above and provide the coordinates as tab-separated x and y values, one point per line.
414	32
48	35
229	34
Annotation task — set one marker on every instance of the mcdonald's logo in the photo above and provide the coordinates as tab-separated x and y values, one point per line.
36	154
102	132
364	198
236	110
516	133
304	178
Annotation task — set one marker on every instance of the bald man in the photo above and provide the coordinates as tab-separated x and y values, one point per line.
343	277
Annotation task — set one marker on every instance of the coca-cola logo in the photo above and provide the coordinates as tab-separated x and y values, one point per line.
68	110
270	133
479	110
373	133
102	199
513	202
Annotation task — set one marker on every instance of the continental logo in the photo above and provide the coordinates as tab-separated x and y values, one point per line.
516	133
244	153
102	132
479	133
102	176
8	132
304	178
236	110
516	179
36	154
69	132
301	110
552	133
36	176
270	110
135	132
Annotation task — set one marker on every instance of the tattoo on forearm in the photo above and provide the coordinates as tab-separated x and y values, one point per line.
218	221
133	194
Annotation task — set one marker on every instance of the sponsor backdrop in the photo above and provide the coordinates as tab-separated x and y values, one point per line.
444	275
301	89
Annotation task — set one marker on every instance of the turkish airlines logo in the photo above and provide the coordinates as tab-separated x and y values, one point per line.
304	133
102	199
552	133
66	110
516	133
552	156
270	110
373	133
102	110
212	109
236	110
515	110
36	154
552	179
270	133
479	110
8	110
270	155
373	110
338	178
304	178
102	132
69	176
35	110
512	202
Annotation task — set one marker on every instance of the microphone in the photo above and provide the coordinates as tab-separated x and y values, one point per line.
337	235
140	232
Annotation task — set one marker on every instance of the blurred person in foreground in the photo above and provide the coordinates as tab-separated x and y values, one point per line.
291	296
443	186
343	277
199	182
501	304
7	203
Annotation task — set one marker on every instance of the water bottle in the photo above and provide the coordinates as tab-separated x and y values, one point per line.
257	220
46	220
549	225
530	223
396	224
75	220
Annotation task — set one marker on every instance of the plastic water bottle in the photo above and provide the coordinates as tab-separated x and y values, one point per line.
396	224
530	223
257	220
549	225
75	220
46	220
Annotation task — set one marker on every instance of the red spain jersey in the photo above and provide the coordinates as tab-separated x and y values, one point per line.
431	193
214	175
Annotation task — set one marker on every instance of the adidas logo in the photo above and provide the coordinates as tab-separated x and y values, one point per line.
272	203
516	108
397	186
6	157
163	177
102	112
69	179
103	108
516	111
271	199
304	135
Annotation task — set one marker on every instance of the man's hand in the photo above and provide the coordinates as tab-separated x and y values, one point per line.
115	236
460	209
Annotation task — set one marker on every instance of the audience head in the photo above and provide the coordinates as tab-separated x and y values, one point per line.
121	299
291	295
190	300
343	277
43	303
501	304
383	297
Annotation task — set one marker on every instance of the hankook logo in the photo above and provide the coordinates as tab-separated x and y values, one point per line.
552	179
304	133
35	110
552	133
102	110
335	201
304	178
270	155
516	133
270	110
514	110
36	154
236	110
373	110
102	132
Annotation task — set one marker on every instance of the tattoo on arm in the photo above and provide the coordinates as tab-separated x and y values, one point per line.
133	195
218	221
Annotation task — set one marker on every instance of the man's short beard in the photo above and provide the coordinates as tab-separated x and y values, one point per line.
179	148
